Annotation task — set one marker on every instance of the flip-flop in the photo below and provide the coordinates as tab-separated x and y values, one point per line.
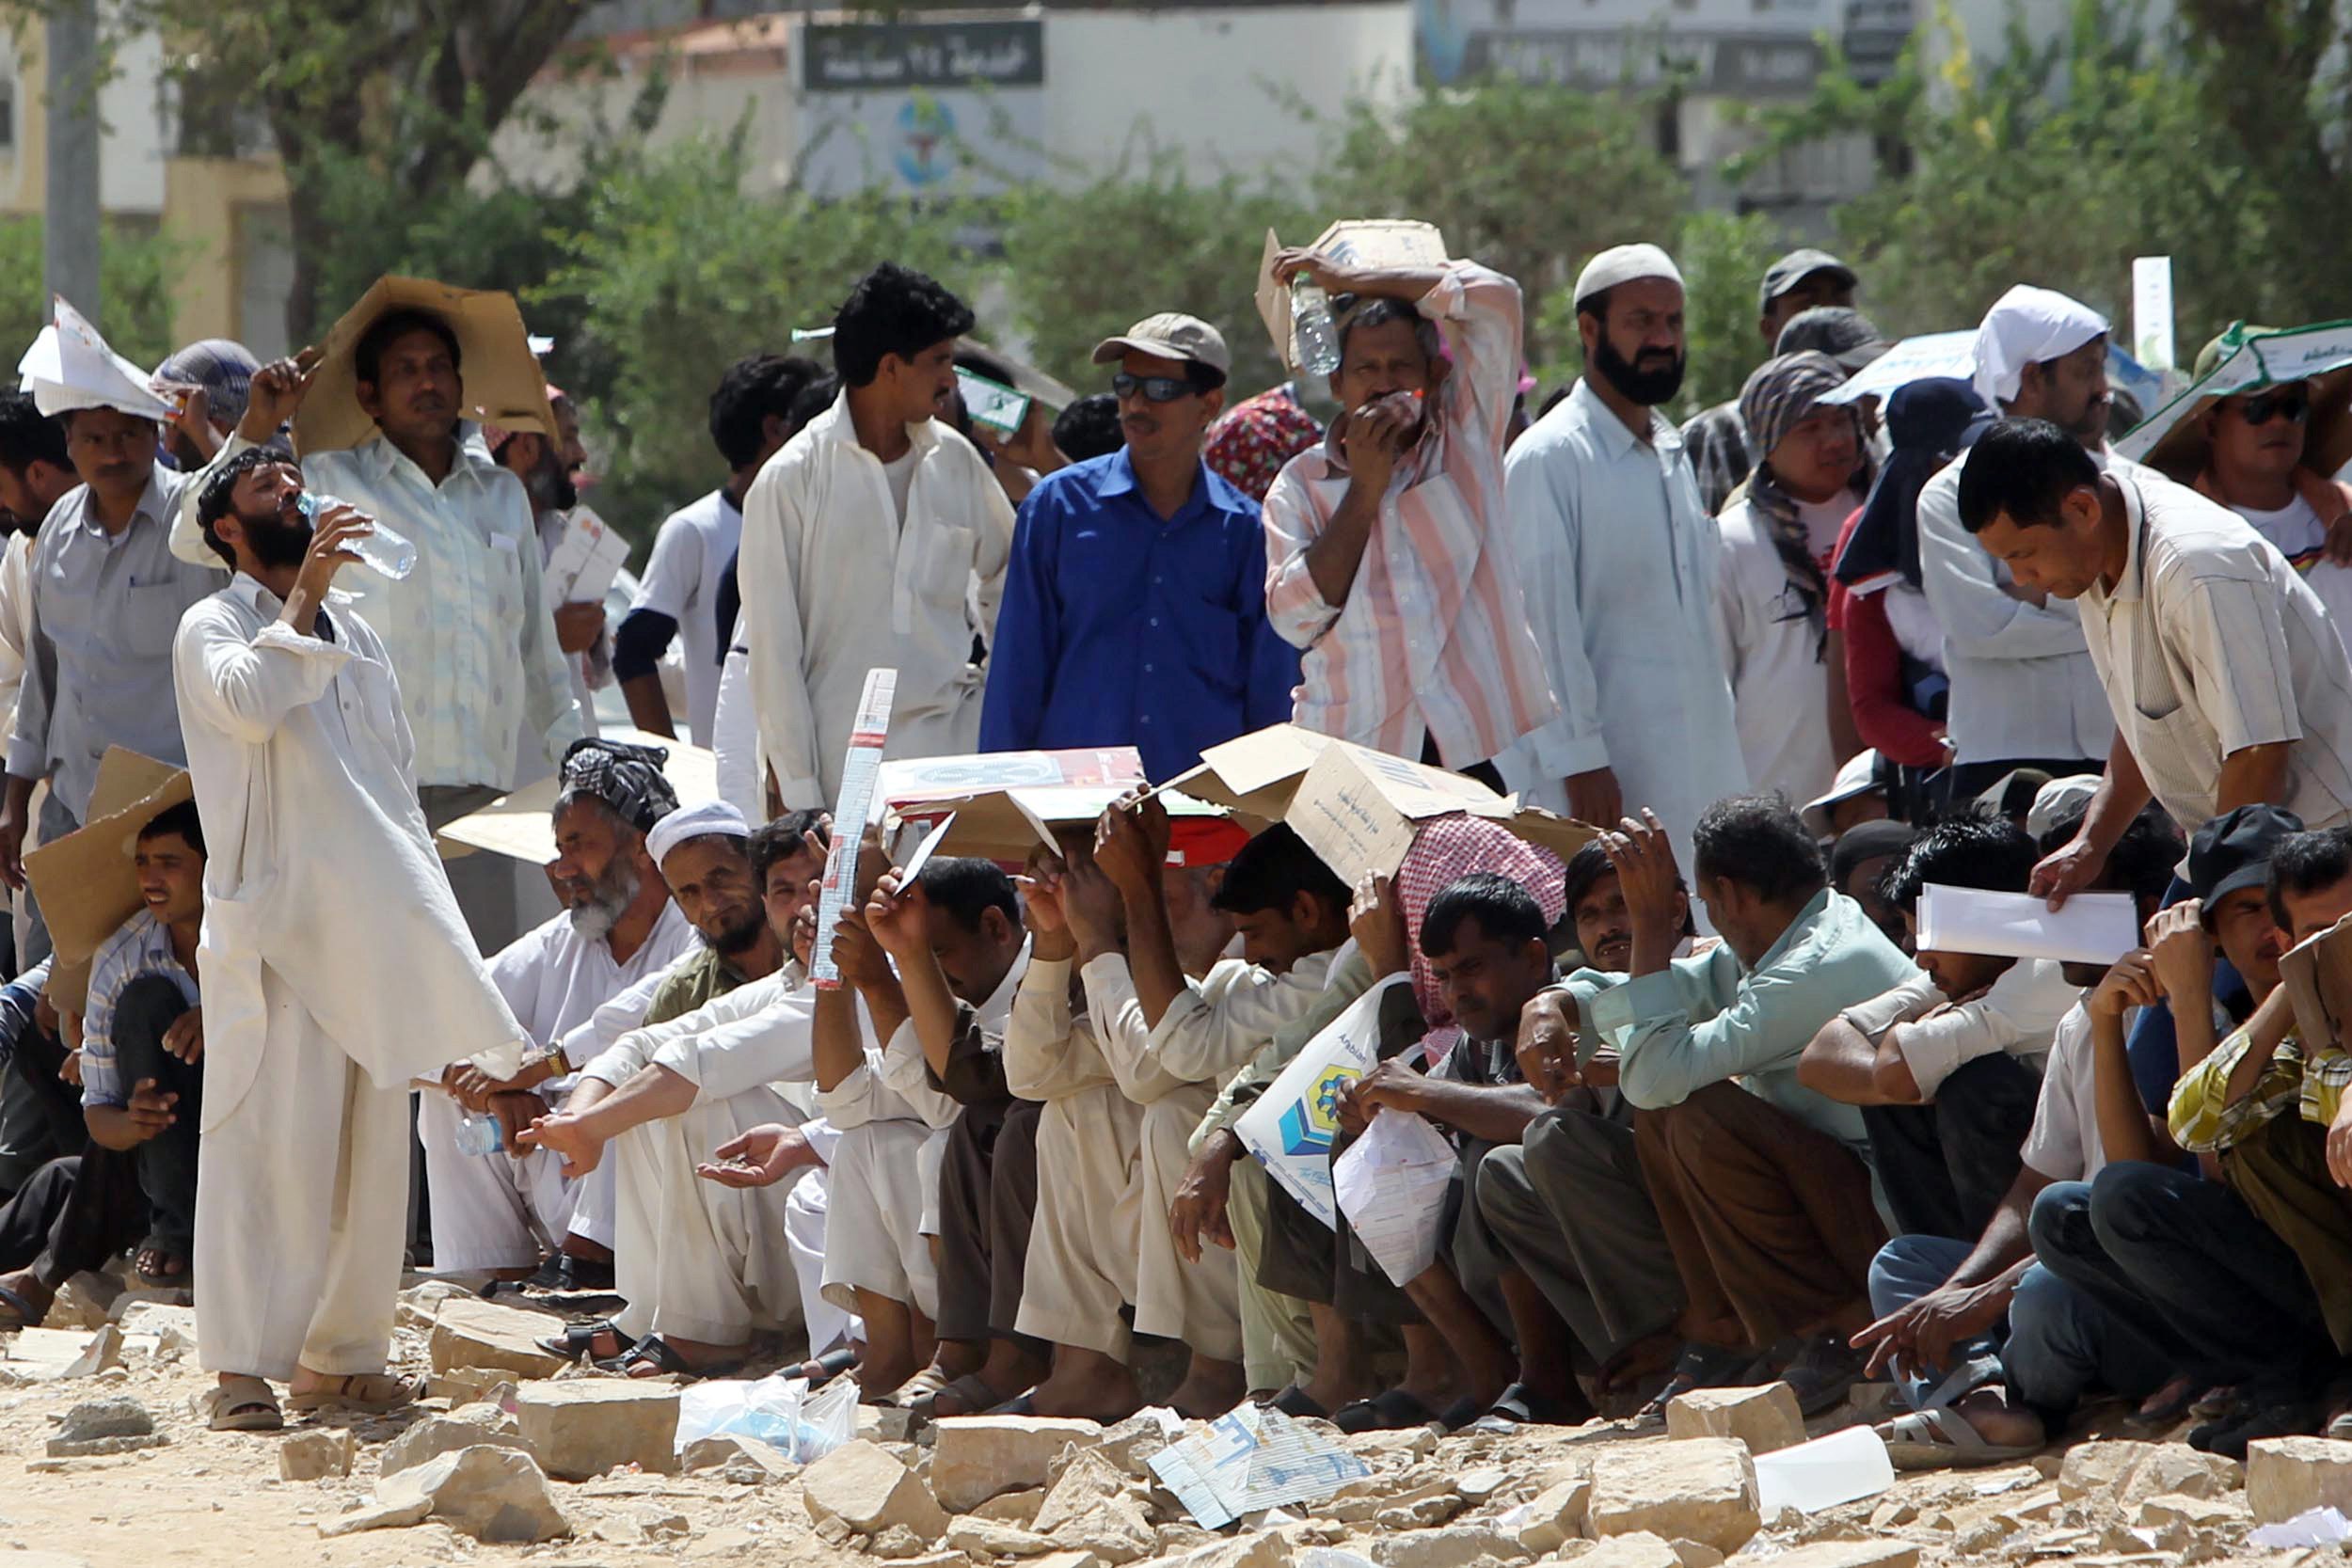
573	1340
242	1405
1521	1406
1020	1404
1294	1400
1943	1439
1390	1410
376	1393
975	1397
21	1310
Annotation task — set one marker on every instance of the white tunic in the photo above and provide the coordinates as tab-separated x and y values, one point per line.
681	581
834	584
319	868
1772	655
1619	564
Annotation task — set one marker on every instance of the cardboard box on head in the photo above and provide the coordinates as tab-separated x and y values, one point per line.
86	882
1355	243
502	382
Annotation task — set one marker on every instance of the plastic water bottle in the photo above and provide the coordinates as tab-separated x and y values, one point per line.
1311	331
380	549
479	1133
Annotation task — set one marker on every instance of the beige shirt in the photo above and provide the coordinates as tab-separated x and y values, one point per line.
2210	643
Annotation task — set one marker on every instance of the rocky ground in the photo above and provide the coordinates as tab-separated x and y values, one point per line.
104	1462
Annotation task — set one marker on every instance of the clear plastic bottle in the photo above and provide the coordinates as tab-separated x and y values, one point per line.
385	551
479	1133
1311	330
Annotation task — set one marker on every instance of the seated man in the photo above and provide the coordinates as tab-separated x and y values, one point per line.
143	1040
700	1262
504	1212
1760	1183
1945	1066
1291	912
1862	856
956	936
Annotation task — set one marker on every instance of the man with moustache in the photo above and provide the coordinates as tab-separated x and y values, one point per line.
1385	560
502	1212
546	464
1618	564
1134	603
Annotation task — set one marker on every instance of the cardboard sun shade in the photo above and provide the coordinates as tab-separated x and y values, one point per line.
1359	809
502	382
2317	974
2173	439
1354	242
86	882
1256	774
1003	803
521	825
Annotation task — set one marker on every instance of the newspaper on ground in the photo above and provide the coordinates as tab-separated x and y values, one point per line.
1391	1185
1253	1458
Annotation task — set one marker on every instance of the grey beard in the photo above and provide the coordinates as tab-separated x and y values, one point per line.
615	892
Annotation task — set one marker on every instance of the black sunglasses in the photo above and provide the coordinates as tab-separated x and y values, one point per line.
1155	389
2295	404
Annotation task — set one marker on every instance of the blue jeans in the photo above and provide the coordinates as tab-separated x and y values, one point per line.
2057	1344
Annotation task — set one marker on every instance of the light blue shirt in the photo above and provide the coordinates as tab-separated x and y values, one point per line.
1703	1020
98	663
140	948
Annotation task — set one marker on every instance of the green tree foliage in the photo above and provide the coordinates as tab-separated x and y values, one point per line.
135	269
1085	263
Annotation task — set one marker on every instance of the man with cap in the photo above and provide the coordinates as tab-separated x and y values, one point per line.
2024	690
704	1114
502	1212
1618	564
2228	683
335	964
1388	559
1134	602
208	384
105	595
1798	283
864	539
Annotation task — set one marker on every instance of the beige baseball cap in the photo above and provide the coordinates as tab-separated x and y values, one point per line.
1171	335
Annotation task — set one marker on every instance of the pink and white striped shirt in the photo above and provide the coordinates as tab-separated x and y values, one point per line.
1432	640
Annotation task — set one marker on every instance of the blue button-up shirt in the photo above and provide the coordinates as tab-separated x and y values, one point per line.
1119	630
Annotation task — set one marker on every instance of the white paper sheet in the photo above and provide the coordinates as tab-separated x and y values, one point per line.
1391	1185
586	561
70	367
1290	1126
1255	1458
2092	927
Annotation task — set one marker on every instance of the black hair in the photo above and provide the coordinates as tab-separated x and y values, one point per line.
783	837
2305	863
218	497
1588	866
1596	305
2021	470
980	361
182	820
894	309
1350	311
1505	909
818	396
968	887
27	436
1987	852
367	357
1089	428
2143	862
1759	842
1271	871
753	387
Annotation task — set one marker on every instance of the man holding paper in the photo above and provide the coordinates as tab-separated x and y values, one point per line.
2228	683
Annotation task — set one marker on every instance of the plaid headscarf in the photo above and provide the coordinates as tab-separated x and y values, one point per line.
1252	440
1779	396
626	778
1445	850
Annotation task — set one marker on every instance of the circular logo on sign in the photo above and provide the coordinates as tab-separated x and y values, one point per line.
926	127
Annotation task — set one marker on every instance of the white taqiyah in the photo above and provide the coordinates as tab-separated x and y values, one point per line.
1623	263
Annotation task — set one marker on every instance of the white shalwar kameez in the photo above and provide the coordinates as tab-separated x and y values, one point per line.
695	1259
497	1211
336	968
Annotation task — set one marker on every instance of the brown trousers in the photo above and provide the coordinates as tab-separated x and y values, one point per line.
1771	1221
2281	1173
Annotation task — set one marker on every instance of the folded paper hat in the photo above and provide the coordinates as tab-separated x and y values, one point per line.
501	381
86	881
70	367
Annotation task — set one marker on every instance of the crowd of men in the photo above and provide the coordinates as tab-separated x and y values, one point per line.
1719	1114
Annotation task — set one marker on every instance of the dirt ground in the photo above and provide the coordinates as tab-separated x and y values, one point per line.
214	1500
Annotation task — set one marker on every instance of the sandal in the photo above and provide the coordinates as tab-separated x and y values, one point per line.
972	1396
1825	1370
1392	1411
1520	1407
655	1351
168	1252
922	1386
242	1405
1294	1400
1943	1439
824	1369
575	1341
373	1393
1701	1365
18	1311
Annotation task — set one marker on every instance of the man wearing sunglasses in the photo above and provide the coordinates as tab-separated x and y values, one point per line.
2255	450
1134	602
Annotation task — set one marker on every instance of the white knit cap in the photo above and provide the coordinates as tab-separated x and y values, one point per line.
699	820
2026	327
1623	263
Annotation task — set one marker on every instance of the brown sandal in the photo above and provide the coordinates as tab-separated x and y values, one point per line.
242	1405
376	1393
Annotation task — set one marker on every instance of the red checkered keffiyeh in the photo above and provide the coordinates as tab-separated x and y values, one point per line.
1445	850
1250	441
